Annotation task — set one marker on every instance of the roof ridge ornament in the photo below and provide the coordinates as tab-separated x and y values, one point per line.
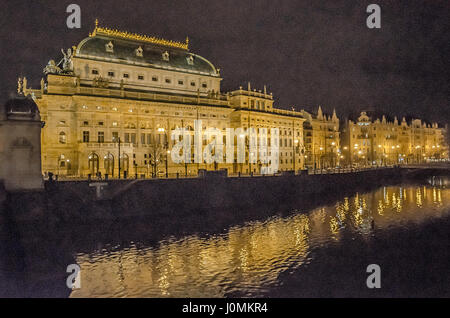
137	37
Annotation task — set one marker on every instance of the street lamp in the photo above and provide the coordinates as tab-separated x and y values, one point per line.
167	165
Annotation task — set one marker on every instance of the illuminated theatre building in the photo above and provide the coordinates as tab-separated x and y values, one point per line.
116	89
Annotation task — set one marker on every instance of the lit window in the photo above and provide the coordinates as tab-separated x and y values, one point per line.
165	56
85	136
114	109
114	124
101	137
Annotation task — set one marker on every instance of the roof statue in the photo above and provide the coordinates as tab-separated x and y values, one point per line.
67	61
51	68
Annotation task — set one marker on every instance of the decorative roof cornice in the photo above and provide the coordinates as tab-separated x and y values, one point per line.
138	37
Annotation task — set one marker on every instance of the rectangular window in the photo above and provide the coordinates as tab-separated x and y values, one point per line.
149	139
168	80
180	83
111	74
126	75
101	137
143	139
100	123
85	123
154	78
133	138
95	72
85	136
204	85
192	83
127	137
141	77
115	136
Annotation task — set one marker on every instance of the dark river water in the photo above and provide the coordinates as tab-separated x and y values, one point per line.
322	252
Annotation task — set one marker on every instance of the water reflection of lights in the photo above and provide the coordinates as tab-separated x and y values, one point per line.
250	257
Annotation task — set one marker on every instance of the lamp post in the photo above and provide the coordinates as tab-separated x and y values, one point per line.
167	165
332	154
119	156
294	151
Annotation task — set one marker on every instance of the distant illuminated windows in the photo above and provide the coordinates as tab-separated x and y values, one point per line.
114	109
95	72
114	123
84	107
62	137
99	107
141	77
155	78
115	136
62	122
190	60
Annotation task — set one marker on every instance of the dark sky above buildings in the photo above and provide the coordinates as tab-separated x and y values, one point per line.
308	53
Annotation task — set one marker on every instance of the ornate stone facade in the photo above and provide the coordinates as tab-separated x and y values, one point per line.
137	89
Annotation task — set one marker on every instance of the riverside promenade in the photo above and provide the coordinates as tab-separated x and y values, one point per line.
68	201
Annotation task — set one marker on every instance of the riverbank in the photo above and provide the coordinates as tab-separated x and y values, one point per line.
79	201
84	202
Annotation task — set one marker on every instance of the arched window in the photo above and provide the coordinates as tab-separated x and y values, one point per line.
93	163
109	164
62	137
124	162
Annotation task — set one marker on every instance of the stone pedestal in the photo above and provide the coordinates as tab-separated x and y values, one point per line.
20	145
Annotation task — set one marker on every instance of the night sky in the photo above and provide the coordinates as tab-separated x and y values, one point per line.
309	53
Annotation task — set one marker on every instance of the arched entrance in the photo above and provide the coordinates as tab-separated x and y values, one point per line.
109	164
124	164
93	164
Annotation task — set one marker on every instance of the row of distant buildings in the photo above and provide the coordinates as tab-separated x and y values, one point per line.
110	104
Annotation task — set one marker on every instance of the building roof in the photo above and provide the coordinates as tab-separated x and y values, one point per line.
125	48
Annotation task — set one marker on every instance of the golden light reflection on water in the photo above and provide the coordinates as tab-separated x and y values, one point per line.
250	257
